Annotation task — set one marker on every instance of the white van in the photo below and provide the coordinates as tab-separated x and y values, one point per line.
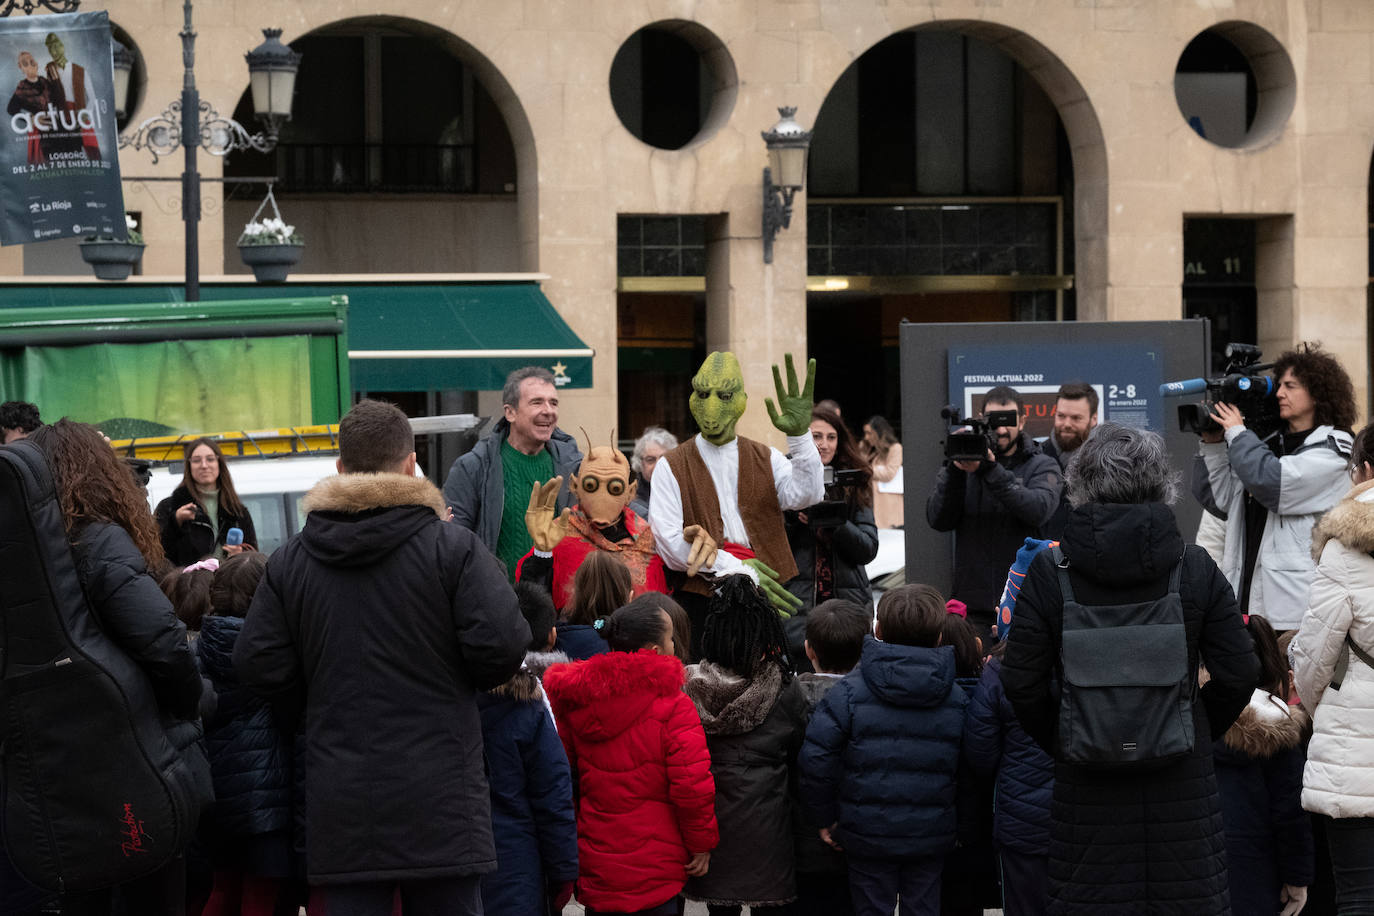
272	487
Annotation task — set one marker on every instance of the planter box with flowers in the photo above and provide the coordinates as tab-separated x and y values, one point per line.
271	248
110	258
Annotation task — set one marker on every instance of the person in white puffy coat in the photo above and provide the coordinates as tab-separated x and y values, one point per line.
1338	687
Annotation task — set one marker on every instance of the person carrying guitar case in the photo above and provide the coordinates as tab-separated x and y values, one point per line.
102	775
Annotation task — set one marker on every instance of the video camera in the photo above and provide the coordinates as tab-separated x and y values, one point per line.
1240	385
980	437
832	513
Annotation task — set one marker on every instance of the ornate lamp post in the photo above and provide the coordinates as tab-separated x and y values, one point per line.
192	124
787	146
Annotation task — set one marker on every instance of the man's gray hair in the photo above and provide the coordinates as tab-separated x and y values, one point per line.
1121	464
510	395
653	435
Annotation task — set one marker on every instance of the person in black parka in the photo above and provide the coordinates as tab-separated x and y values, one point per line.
1134	840
381	621
195	520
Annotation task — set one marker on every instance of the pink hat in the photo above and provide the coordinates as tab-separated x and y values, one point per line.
955	606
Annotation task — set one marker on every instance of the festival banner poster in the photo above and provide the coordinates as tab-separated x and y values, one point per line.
1126	379
59	160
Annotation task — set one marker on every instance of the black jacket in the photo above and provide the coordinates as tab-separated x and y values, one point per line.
382	621
250	757
851	546
992	512
1054	528
1132	841
185	544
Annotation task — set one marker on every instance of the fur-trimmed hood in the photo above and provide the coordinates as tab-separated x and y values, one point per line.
539	662
358	519
354	493
1267	726
523	687
604	695
727	703
1350	521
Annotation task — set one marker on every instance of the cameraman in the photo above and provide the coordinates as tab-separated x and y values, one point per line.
833	540
1270	491
993	505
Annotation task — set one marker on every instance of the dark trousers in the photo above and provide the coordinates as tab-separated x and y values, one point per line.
1351	840
667	908
877	884
716	909
458	896
1025	883
162	893
823	894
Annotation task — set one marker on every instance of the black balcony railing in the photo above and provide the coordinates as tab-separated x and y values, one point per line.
377	167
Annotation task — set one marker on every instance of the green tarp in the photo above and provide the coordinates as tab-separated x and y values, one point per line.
402	336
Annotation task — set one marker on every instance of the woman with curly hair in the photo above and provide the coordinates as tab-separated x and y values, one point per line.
884	451
114	542
195	520
1272	490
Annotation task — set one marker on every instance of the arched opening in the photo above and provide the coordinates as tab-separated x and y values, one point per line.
407	152
957	173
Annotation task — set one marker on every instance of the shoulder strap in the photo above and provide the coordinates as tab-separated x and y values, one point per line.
1176	577
1061	565
1361	654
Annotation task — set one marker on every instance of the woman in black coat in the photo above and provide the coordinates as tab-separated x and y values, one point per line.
834	540
1138	840
196	518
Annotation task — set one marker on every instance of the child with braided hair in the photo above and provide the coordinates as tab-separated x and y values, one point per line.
754	715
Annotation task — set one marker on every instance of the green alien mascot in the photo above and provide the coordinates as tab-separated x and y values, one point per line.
736	488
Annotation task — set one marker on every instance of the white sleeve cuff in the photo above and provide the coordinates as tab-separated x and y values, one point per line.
546	554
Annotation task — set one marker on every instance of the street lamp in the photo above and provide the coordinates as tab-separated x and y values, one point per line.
787	146
123	70
190	124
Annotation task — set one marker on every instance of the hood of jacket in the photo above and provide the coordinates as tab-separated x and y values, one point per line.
1122	543
1350	521
729	704
606	694
539	662
1267	726
357	519
216	645
907	675
523	687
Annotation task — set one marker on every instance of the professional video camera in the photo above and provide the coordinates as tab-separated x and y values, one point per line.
1240	385
832	513
974	443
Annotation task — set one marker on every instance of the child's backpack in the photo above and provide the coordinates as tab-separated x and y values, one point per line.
96	791
1127	693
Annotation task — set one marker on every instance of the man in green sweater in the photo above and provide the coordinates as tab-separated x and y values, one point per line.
489	487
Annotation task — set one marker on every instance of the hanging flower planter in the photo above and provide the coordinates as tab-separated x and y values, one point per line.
270	246
112	259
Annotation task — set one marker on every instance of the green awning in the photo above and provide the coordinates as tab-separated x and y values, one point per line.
402	336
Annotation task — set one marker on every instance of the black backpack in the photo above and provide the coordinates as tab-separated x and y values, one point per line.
1127	688
96	789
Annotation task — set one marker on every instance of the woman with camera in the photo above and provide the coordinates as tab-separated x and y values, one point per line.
833	540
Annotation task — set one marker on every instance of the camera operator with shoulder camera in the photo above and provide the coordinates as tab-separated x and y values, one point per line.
992	502
1271	487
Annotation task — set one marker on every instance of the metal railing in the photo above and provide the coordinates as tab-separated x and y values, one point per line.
377	167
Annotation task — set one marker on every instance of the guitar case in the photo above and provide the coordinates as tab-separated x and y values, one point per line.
95	792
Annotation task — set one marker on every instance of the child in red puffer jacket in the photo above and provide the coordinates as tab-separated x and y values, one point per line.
645	798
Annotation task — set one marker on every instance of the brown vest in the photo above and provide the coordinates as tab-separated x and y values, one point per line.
758	505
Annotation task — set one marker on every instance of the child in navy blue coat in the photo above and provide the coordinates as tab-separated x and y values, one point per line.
880	763
532	816
1259	765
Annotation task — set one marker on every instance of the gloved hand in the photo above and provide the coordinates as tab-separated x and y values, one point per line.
704	549
559	893
792	415
546	530
782	600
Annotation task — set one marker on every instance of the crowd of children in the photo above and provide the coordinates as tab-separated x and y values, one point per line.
893	775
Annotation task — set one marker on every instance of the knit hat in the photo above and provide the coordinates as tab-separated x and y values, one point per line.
1006	607
957	607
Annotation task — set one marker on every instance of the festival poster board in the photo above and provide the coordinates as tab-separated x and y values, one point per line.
59	158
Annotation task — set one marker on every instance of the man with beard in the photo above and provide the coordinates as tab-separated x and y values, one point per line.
992	506
1075	416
